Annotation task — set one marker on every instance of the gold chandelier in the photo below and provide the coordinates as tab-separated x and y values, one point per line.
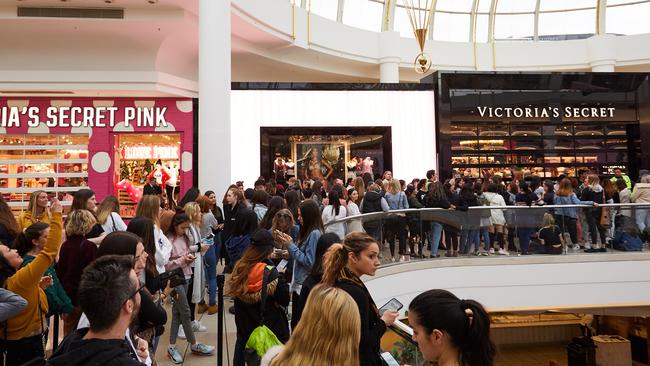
420	15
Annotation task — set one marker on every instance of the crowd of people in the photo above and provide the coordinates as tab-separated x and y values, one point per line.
293	265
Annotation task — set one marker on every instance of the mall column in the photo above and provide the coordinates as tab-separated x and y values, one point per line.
388	57
214	96
214	110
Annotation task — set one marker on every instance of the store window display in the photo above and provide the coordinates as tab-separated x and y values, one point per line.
147	161
312	154
57	165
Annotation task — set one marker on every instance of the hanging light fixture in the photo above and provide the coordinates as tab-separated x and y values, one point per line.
420	15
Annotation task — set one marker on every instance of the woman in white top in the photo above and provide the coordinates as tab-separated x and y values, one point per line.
108	215
353	210
149	207
334	211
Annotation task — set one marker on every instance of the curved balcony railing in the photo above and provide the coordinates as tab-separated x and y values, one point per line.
507	230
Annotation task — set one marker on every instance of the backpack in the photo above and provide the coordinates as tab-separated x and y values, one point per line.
262	338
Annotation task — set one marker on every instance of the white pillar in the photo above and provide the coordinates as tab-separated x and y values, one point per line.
602	53
214	153
389	57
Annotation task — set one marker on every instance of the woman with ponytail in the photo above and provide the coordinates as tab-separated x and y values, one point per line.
451	331
344	265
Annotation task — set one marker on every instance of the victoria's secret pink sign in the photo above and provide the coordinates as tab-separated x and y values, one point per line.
103	119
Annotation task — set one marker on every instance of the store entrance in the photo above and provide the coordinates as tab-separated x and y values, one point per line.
144	161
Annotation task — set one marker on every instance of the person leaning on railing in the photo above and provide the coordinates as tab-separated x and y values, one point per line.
566	217
641	194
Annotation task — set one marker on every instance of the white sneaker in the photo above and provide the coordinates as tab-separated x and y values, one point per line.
198	327
491	250
576	247
181	333
503	252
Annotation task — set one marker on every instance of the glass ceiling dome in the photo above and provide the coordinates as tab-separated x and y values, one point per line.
498	20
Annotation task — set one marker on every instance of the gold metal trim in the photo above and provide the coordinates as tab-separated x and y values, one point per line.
293	19
309	23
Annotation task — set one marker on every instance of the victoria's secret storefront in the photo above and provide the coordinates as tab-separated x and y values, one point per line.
544	124
112	160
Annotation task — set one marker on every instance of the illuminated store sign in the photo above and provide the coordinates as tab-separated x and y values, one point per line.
154	152
546	112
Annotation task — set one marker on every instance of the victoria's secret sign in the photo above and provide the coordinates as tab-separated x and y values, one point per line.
546	112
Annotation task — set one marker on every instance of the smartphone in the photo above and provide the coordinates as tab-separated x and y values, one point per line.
389	359
282	265
392	304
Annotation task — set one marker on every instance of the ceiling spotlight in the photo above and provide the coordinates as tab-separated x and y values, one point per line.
109	1
152	1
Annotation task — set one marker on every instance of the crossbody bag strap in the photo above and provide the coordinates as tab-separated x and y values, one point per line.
265	282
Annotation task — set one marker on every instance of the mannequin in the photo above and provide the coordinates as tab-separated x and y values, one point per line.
171	184
159	173
290	168
279	168
366	165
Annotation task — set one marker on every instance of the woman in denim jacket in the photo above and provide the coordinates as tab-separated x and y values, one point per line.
566	217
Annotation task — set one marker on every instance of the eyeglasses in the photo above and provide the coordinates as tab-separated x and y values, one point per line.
140	288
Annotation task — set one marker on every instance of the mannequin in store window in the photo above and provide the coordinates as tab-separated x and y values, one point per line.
280	168
160	174
290	168
171	185
367	165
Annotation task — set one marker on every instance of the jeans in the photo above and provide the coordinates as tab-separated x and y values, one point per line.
436	233
485	233
642	218
210	260
467	238
181	315
523	233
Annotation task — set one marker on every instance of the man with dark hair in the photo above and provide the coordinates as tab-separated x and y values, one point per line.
109	296
260	185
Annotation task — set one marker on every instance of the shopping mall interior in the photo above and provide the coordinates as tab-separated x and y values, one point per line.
337	89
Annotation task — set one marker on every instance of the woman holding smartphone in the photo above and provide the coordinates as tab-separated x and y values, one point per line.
344	265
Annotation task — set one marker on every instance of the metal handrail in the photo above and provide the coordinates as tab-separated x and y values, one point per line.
381	214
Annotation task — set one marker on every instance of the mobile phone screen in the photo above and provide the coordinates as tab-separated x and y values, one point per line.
392	304
389	359
282	265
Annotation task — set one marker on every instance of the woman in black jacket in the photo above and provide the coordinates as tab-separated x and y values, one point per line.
344	265
245	286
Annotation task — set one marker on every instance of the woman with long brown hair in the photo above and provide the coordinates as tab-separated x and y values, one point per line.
345	263
149	207
9	228
245	286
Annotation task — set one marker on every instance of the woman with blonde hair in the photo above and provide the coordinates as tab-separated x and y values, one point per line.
594	192
149	207
332	314
396	225
344	265
76	253
37	210
108	215
197	283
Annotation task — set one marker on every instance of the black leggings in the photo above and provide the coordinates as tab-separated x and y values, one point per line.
190	286
568	223
451	238
593	218
24	350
